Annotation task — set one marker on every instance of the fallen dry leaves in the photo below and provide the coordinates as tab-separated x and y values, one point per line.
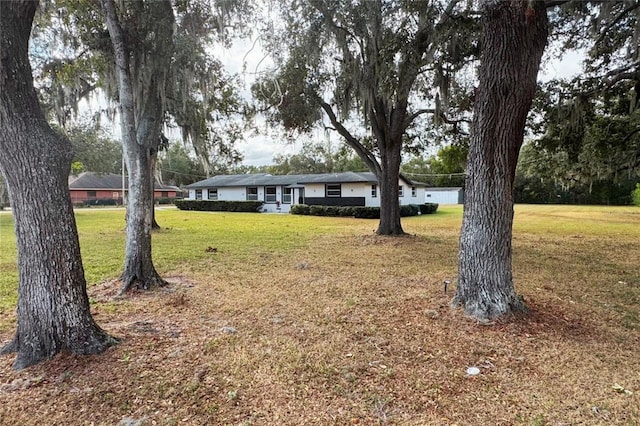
353	329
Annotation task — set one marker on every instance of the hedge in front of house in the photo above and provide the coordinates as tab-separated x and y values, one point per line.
428	208
101	202
219	206
165	200
361	212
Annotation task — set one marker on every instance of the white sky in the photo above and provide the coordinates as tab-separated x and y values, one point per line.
567	66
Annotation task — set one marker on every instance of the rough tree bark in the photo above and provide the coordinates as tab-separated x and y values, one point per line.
389	140
387	170
142	79
514	39
53	307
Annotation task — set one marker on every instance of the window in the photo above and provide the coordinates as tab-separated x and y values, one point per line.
374	191
164	194
401	191
198	194
414	192
286	195
252	193
91	194
270	194
428	195
213	193
115	195
334	190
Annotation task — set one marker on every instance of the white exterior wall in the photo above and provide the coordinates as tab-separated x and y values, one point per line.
408	198
278	206
358	189
232	194
369	200
240	194
442	197
354	190
313	190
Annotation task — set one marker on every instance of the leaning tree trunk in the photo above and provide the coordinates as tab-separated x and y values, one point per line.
142	80
514	39
53	307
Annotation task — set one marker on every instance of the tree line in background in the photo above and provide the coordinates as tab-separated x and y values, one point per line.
388	77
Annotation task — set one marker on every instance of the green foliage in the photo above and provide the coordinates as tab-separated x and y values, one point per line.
301	209
445	169
73	57
590	148
636	195
428	208
548	175
93	151
177	167
367	65
317	158
360	212
100	202
219	206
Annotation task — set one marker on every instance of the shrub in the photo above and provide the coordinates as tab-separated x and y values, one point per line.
165	200
428	208
366	212
409	210
636	195
219	206
302	209
360	212
317	210
101	202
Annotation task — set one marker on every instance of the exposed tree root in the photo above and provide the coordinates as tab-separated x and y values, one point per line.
92	342
489	310
134	282
10	347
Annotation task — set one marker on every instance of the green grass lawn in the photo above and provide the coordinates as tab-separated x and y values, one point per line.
181	244
339	326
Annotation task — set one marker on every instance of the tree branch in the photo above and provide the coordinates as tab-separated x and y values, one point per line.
553	3
617	19
443	117
366	155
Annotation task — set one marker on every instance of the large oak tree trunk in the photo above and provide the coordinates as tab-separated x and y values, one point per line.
388	126
53	308
142	81
514	39
390	223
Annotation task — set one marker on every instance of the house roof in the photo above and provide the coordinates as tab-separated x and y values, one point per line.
108	181
442	189
264	179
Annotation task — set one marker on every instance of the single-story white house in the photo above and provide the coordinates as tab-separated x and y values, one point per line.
444	195
280	192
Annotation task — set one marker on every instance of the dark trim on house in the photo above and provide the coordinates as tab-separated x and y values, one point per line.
335	201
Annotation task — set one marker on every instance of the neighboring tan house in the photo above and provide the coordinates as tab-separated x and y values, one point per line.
90	186
444	195
279	192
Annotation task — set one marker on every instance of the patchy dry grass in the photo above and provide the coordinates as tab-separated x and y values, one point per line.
302	320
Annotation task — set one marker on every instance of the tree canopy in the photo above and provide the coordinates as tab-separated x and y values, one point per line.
589	127
367	68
